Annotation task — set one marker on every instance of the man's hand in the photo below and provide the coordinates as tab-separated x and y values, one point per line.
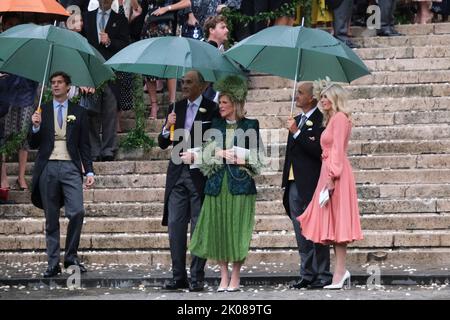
192	20
86	90
104	38
291	124
188	157
171	120
36	119
89	182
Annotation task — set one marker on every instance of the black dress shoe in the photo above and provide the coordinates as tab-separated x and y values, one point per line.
351	44
319	284
395	32
108	158
302	283
176	284
52	271
196	286
75	263
388	33
97	159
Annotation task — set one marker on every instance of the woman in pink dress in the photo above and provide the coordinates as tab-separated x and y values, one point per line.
336	222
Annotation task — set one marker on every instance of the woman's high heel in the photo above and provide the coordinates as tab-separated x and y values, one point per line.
345	282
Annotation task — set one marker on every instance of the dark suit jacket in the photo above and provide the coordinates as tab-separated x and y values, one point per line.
174	170
239	181
116	28
305	156
78	144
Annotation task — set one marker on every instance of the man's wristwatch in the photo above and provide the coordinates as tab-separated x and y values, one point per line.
169	8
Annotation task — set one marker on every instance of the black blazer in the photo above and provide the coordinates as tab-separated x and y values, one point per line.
305	156
116	28
78	145
174	170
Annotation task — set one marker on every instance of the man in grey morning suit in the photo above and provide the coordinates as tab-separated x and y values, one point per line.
60	132
184	195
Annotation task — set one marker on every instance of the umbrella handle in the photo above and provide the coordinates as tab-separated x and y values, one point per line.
172	132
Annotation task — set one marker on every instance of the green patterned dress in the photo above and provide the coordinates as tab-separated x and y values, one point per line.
225	226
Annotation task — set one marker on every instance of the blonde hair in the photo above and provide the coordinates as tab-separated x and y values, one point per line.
338	97
237	105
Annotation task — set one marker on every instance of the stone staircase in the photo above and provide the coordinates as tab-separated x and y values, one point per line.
400	152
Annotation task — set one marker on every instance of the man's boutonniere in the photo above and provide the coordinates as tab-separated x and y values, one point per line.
309	123
71	118
202	110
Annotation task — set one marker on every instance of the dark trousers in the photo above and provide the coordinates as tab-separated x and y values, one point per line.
341	19
102	125
184	205
387	8
314	257
62	179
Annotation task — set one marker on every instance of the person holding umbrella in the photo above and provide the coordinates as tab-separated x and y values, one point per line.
332	216
60	132
183	196
300	175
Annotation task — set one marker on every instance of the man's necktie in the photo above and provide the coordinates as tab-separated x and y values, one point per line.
302	121
190	115
103	21
60	116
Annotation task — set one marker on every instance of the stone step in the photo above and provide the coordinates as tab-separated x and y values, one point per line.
148	225
144	193
277	149
407	29
263	259
361	92
404	77
146	208
416	64
389	176
260	240
366	106
426	161
406	52
403	41
381	75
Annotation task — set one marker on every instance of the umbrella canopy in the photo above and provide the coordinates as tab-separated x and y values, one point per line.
298	53
36	6
26	49
171	57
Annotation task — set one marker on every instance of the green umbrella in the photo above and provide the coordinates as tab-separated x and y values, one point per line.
35	52
171	57
298	53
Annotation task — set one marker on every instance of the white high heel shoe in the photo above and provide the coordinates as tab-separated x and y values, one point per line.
345	282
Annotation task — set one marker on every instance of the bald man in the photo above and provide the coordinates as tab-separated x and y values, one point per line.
300	176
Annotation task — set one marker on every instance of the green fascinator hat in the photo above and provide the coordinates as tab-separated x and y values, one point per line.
234	87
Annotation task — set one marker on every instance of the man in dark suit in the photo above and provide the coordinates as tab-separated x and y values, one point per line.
184	186
300	176
108	32
387	9
60	132
342	13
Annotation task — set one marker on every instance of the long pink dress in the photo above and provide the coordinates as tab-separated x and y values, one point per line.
338	221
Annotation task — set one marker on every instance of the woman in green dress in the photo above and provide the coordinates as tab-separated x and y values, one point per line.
230	159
